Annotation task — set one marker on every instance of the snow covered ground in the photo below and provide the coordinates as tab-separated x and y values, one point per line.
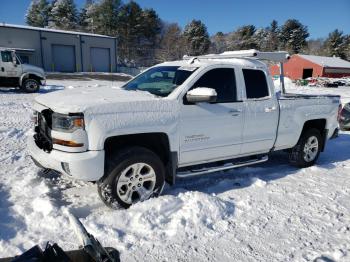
269	212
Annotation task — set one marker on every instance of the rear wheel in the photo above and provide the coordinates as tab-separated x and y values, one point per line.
307	151
135	174
30	85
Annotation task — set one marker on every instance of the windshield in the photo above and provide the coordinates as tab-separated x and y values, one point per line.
160	80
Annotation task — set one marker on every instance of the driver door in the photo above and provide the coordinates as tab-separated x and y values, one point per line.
8	68
212	131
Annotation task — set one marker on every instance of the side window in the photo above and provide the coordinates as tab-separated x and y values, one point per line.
6	56
255	83
223	80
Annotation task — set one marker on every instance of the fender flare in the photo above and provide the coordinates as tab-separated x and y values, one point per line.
26	75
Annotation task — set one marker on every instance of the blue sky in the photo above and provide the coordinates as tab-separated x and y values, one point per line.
320	16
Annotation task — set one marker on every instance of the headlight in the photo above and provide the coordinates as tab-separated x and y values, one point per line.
67	123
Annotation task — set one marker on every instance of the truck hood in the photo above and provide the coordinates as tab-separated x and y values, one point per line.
97	100
33	69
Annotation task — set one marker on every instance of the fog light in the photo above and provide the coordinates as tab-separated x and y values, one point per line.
65	167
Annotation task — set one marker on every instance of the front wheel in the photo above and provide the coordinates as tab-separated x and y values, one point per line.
30	85
135	174
307	151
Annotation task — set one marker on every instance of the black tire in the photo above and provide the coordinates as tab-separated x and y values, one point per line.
297	155
30	85
116	168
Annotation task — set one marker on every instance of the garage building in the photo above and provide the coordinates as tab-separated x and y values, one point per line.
61	51
304	66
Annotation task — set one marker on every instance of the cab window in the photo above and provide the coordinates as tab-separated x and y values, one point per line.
6	56
160	80
255	84
223	80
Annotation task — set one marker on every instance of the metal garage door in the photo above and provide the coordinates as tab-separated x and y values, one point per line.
100	59
63	58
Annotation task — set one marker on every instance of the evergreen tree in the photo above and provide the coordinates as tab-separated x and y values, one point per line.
129	31
149	35
261	39
243	38
197	38
273	42
63	15
106	17
347	47
38	13
335	44
83	17
293	36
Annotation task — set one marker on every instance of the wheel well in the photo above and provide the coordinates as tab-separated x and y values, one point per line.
156	142
320	125
32	76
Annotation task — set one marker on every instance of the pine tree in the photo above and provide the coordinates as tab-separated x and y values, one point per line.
197	38
243	38
38	13
293	36
129	31
335	44
106	17
261	39
273	41
83	18
149	35
63	15
347	47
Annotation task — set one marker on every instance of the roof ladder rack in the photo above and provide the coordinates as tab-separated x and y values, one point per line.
278	57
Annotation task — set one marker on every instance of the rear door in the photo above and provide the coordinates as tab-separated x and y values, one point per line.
212	131
261	113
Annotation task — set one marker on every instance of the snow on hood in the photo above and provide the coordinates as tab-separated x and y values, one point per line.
80	100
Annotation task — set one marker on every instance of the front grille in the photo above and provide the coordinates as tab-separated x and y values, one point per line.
42	134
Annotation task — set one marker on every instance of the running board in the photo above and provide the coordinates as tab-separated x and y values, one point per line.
223	168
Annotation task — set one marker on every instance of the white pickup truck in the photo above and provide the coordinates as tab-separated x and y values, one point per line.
14	73
178	119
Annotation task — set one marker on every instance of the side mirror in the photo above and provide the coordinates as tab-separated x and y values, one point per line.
14	60
201	94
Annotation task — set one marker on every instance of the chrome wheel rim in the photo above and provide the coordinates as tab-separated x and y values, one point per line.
136	183
311	149
31	85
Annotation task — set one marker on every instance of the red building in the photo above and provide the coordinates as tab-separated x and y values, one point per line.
304	66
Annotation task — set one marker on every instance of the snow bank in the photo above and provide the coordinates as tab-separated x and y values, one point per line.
165	217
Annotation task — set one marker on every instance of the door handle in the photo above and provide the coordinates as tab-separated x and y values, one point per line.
270	109
235	112
2	69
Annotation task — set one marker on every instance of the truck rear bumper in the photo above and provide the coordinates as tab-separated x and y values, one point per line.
87	166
